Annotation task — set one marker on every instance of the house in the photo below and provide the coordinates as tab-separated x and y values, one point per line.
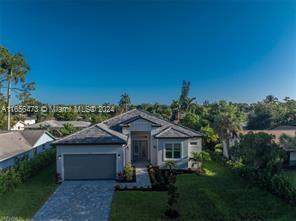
55	124
290	131
20	125
17	144
102	150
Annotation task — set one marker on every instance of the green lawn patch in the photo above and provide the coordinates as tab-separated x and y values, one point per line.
291	176
217	195
28	197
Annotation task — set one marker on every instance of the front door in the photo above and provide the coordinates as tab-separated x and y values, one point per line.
140	150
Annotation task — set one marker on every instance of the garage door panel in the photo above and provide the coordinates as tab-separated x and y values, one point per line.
89	166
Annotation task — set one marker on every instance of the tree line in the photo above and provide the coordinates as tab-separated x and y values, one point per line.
218	120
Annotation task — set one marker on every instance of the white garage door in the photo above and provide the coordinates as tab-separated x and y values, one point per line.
89	166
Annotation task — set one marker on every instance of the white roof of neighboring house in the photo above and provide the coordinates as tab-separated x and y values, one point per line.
58	124
13	143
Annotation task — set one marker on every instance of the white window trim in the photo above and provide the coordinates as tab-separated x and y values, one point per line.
173	159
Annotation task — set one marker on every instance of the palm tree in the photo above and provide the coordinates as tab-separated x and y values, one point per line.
125	102
188	103
176	108
227	122
13	69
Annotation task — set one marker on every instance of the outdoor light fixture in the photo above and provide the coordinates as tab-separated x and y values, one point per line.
60	157
118	156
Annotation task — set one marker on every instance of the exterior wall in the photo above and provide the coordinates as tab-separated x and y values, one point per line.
89	149
187	148
156	146
193	148
9	162
30	121
43	143
18	126
154	150
183	162
140	125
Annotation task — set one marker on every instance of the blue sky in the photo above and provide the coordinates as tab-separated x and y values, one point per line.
93	51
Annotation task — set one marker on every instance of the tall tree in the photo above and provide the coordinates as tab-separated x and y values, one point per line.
124	102
185	101
185	90
13	69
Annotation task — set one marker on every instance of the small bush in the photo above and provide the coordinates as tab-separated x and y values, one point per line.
128	172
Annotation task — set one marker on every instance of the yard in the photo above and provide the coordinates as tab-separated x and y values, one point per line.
218	195
28	197
292	176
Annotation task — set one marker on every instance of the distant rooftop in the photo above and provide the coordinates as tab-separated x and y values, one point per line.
58	124
285	127
15	142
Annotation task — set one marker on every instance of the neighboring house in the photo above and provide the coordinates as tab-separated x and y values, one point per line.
17	144
20	125
102	151
288	130
55	124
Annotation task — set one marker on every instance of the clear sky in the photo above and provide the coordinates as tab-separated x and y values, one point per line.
92	51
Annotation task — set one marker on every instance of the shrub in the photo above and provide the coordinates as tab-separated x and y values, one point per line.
173	195
24	169
169	164
128	172
158	178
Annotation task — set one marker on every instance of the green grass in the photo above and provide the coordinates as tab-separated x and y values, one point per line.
217	195
27	198
292	176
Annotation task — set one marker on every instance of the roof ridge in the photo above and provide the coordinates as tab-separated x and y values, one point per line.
70	135
179	125
162	131
107	130
118	115
169	128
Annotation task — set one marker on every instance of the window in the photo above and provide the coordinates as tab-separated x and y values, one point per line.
193	143
172	151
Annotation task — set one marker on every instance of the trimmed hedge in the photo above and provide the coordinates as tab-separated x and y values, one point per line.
24	169
277	184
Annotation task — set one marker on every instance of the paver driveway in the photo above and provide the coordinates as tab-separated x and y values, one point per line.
78	200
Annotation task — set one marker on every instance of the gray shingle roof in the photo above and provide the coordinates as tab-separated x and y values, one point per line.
58	124
16	142
115	123
109	131
171	133
97	134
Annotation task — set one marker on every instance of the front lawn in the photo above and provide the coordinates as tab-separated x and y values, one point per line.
28	197
292	176
218	195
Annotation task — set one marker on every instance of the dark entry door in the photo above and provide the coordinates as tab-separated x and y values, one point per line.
140	150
